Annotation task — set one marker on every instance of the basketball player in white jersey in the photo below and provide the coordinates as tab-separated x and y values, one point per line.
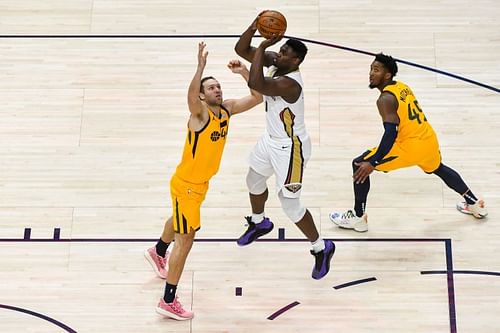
285	147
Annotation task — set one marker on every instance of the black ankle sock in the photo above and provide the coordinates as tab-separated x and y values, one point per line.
161	248
170	290
470	198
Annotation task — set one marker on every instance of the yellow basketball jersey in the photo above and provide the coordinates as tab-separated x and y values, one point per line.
203	149
412	121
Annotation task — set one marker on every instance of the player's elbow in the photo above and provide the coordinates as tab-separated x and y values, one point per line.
237	49
240	50
258	99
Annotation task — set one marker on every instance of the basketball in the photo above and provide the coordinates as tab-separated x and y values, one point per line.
271	22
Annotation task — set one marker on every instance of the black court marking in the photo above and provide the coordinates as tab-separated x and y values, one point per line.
462	272
281	233
451	287
218	240
239	291
353	283
282	310
39	315
57	233
27	234
447	241
312	41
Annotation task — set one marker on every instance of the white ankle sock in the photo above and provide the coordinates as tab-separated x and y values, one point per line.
318	245
257	218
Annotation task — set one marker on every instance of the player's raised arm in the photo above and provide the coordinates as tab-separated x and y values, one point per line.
246	51
282	86
243	104
195	105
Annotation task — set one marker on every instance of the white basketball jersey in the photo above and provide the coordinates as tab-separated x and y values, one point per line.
284	119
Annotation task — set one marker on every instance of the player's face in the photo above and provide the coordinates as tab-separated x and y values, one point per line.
212	93
378	74
286	57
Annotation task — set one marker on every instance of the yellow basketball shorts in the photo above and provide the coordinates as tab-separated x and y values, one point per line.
186	204
411	152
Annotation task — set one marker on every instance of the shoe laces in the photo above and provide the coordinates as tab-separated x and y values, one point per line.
177	306
249	223
349	214
162	261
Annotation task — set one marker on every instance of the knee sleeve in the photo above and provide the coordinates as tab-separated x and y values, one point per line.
292	207
256	183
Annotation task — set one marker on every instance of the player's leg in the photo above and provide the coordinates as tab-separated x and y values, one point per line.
258	224
259	171
258	194
321	249
169	304
431	163
158	255
471	204
357	219
186	204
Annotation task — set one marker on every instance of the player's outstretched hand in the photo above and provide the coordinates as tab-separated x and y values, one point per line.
237	66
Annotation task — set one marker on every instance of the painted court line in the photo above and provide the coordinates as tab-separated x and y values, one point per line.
39	315
448	249
312	41
282	310
353	283
473	272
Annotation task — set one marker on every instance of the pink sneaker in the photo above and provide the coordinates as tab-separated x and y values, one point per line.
158	263
173	310
478	210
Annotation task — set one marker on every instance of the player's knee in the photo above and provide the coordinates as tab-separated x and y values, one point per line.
185	241
256	183
439	169
292	208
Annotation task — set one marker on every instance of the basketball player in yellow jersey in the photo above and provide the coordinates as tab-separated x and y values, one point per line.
408	140
205	140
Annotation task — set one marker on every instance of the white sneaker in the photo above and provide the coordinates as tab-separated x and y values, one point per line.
349	220
478	210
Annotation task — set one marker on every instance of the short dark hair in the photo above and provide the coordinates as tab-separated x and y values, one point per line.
202	90
388	63
298	47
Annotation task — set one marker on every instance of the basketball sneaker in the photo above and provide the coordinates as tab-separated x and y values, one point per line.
349	220
159	264
173	310
255	230
322	260
478	210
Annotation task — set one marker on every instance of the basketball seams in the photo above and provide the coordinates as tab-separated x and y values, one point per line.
271	22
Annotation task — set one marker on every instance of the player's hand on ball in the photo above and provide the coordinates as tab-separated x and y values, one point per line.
271	41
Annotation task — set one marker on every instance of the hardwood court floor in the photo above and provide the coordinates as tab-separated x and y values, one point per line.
91	130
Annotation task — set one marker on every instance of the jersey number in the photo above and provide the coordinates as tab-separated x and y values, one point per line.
415	114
